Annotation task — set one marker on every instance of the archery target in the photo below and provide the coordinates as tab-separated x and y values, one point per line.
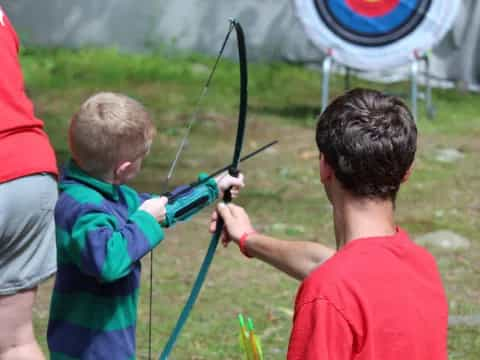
376	34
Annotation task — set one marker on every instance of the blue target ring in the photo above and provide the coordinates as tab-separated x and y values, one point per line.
364	30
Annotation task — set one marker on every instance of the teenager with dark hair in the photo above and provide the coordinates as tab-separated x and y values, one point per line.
378	296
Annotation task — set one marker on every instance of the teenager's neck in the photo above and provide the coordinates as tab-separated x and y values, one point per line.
361	218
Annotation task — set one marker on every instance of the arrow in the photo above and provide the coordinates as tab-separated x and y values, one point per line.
172	198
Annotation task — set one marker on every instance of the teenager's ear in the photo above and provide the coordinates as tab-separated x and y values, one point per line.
408	173
326	171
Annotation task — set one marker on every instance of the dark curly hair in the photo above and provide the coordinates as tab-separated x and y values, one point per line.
369	139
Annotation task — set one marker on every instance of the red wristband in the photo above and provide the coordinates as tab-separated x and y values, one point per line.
243	240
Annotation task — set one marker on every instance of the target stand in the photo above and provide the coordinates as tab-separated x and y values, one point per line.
377	35
415	95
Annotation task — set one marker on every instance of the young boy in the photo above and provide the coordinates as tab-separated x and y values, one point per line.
104	228
379	296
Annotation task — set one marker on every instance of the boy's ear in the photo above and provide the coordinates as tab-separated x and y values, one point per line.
122	171
408	173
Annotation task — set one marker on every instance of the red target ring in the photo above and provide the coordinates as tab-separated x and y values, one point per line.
372	8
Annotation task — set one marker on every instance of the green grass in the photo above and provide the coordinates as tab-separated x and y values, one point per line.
283	188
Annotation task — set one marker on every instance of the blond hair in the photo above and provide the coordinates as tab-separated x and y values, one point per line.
108	129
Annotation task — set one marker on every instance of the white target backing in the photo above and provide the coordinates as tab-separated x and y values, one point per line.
376	34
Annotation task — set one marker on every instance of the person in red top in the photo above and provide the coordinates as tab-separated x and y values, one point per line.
379	296
28	193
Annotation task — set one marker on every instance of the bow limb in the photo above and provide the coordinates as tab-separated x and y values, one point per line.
242	116
173	166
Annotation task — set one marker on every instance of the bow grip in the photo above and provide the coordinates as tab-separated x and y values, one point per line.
227	196
187	201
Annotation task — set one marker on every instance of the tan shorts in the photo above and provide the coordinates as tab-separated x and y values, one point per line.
27	232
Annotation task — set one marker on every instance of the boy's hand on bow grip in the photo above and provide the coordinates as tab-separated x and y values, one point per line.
156	207
225	181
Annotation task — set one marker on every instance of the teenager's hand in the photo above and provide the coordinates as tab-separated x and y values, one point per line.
156	207
226	181
236	221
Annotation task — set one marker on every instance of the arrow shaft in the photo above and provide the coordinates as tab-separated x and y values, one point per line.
219	171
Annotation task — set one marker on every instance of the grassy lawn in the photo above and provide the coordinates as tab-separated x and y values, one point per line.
283	188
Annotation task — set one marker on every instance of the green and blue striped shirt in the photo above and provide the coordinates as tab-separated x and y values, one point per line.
101	237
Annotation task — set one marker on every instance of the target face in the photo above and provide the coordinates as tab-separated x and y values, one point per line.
376	34
374	22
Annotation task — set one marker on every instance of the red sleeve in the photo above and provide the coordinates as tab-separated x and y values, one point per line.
320	332
5	22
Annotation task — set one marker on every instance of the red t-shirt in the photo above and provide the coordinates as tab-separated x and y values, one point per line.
24	146
378	298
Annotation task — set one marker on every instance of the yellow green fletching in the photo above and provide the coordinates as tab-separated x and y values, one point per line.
249	342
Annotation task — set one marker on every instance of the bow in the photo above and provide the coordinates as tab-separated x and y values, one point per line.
233	170
177	156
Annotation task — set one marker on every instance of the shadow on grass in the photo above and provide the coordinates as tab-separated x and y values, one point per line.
291	111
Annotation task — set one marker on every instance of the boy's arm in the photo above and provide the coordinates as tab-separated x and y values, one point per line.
102	248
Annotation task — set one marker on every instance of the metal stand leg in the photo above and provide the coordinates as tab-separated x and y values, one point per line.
327	65
347	78
428	89
414	87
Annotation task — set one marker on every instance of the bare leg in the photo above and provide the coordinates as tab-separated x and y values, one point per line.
17	341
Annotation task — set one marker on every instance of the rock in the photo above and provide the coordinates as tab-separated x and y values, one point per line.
445	239
288	229
465	320
309	154
285	311
200	69
448	155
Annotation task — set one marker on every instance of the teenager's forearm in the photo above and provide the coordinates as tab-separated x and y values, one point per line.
295	258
